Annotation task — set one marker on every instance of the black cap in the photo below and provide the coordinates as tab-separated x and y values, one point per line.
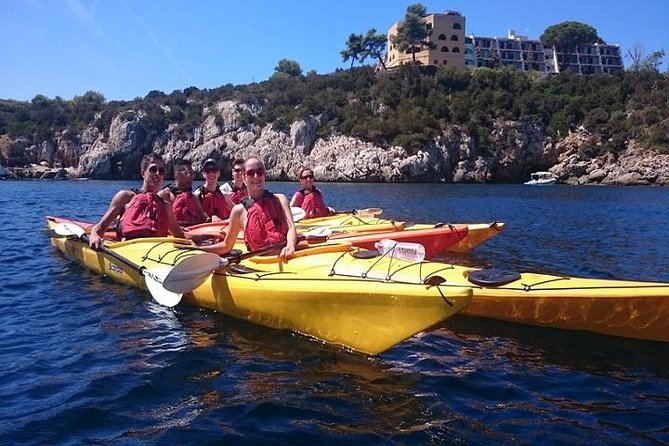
210	161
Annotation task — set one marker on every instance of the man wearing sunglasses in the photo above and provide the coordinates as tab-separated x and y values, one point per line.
186	206
309	198
215	203
265	217
236	187
142	212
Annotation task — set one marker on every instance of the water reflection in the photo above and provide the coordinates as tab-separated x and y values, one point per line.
277	376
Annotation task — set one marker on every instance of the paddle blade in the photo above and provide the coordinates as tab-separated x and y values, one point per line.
69	230
298	213
154	279
322	232
190	273
369	212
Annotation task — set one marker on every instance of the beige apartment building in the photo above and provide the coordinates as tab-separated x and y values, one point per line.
448	37
451	47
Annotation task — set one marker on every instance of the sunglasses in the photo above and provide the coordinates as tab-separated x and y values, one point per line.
307	177
210	170
237	170
157	170
255	172
185	171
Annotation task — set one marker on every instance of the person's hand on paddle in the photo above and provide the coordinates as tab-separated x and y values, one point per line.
94	239
287	252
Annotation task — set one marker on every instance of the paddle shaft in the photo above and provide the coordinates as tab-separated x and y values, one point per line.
116	256
261	251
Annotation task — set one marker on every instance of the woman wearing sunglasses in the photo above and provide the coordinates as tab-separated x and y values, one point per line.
265	217
308	197
215	203
142	212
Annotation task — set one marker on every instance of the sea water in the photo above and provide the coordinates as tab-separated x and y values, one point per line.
84	360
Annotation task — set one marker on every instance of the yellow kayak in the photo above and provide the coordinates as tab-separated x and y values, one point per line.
475	233
364	314
613	307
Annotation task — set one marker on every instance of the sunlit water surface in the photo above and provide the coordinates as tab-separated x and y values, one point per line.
87	361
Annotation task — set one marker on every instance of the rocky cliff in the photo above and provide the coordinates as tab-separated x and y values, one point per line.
518	149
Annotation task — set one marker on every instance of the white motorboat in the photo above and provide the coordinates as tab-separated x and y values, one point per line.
541	179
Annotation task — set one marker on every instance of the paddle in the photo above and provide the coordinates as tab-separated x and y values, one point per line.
318	234
368	212
153	277
190	273
298	213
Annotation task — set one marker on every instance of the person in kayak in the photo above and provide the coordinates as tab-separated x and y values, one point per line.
186	206
141	212
215	203
236	187
309	197
265	217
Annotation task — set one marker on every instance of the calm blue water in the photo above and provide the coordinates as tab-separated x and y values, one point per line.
87	361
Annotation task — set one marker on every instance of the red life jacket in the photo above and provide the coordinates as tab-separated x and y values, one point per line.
238	193
213	202
312	203
185	207
265	222
144	216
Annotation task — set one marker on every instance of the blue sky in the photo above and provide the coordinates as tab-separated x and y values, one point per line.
126	48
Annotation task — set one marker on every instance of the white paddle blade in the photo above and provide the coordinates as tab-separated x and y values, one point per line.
298	213
69	230
191	272
369	212
154	279
321	232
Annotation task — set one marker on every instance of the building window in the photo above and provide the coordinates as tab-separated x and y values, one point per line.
444	49
455	49
457	26
442	37
454	38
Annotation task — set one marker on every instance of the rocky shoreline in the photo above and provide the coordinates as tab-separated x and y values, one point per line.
41	173
519	148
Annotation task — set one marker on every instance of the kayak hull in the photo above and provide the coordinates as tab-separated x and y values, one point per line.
366	315
630	309
638	310
475	235
436	240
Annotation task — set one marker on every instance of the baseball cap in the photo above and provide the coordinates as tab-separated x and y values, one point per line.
210	161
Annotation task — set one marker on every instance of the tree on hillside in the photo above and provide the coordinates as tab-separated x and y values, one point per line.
287	68
413	34
640	61
354	50
566	36
375	46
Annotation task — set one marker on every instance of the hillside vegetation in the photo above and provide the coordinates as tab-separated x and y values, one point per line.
406	107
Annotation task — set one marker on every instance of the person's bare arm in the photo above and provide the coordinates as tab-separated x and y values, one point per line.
294	200
116	206
291	238
235	223
200	210
172	224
